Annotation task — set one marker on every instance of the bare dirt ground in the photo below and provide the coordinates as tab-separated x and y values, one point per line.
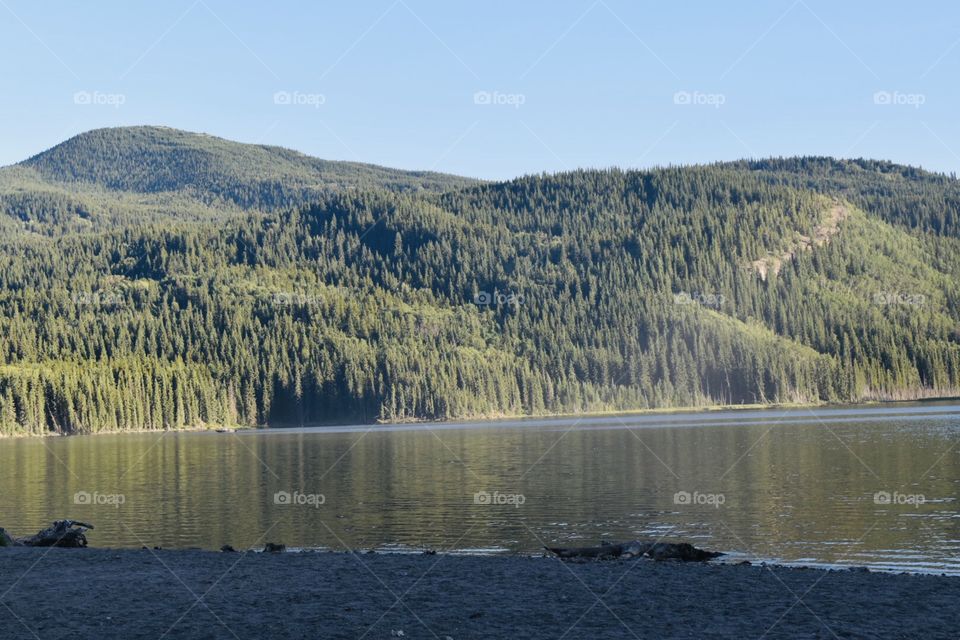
829	226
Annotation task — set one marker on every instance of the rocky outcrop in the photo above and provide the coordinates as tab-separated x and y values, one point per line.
829	226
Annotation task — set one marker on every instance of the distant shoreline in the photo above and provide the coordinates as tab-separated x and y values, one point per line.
673	410
492	418
145	593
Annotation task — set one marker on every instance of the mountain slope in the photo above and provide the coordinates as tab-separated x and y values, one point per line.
588	290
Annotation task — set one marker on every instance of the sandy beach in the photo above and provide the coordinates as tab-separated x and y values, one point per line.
96	593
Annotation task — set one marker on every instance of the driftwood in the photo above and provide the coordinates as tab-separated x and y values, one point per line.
657	550
62	533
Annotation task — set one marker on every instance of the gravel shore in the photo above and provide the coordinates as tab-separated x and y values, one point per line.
97	593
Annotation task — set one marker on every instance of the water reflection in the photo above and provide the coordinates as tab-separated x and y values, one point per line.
795	486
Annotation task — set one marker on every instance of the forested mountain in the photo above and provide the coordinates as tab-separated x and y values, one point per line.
794	280
138	174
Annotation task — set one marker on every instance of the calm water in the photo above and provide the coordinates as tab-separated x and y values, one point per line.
793	486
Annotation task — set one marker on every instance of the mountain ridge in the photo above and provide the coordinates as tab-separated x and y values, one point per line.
152	172
135	139
159	172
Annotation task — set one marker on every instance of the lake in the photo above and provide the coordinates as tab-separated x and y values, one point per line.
870	486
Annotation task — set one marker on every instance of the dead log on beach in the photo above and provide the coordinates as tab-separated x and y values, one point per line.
62	533
683	551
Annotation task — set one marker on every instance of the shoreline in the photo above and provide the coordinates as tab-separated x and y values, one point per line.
191	593
726	558
493	418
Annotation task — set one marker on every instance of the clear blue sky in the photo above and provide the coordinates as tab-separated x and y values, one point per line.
567	84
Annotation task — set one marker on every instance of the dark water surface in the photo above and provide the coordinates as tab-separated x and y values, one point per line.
864	486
